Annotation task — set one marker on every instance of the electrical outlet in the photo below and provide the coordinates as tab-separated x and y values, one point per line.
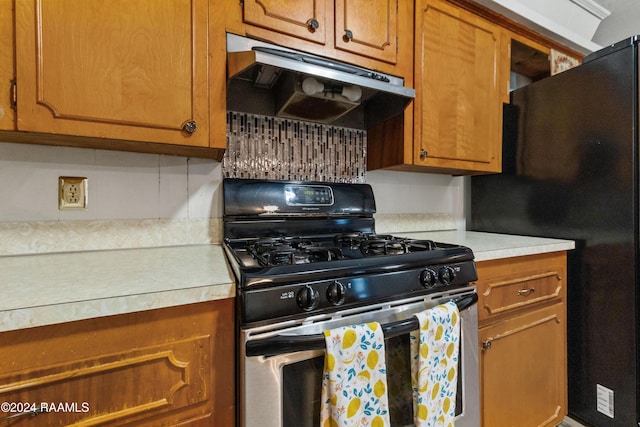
72	192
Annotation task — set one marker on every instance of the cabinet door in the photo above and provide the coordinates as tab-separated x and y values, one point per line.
306	19
459	105
166	367
367	27
123	69
7	73
523	369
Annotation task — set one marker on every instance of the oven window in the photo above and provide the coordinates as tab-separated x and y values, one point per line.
302	383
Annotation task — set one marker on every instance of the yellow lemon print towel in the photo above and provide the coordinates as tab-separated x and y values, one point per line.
434	368
354	381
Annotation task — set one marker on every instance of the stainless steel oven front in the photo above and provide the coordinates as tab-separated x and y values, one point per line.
280	378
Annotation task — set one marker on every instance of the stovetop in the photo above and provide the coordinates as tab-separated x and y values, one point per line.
271	251
300	249
264	262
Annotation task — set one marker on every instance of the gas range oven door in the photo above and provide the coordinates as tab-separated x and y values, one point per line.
281	365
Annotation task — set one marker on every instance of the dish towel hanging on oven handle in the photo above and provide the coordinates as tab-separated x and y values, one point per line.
354	381
435	350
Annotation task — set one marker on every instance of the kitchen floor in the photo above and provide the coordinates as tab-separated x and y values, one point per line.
568	422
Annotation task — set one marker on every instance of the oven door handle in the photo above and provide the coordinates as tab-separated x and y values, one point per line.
284	344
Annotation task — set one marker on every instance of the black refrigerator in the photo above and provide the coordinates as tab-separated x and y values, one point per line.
570	171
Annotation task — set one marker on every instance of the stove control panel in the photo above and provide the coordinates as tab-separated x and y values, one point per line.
445	276
324	296
308	195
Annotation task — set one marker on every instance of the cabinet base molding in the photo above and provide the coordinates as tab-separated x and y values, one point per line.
111	144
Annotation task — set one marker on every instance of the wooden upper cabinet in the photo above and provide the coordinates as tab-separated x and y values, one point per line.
124	69
7	63
459	90
306	19
368	28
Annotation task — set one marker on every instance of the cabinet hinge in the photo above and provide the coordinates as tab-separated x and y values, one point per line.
13	103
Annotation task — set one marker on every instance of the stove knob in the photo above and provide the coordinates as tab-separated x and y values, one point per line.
307	298
336	293
446	275
428	278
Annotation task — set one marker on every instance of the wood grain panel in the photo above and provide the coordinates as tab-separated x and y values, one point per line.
511	284
7	64
523	370
523	340
92	69
521	291
389	51
373	25
163	367
458	62
179	371
290	17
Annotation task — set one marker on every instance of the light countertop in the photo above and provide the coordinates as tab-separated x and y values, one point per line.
61	287
53	288
487	246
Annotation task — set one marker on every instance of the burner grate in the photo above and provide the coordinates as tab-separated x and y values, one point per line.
384	246
291	251
297	250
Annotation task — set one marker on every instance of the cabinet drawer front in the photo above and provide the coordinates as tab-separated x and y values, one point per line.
520	291
520	282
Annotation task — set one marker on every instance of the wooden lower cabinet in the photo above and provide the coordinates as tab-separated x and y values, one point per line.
523	370
522	340
163	367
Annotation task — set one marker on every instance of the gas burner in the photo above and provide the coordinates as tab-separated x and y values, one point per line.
350	240
355	240
300	256
422	245
384	245
291	250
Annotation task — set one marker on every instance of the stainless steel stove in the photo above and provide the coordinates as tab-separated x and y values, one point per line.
306	257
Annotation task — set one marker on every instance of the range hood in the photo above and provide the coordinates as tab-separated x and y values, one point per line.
273	80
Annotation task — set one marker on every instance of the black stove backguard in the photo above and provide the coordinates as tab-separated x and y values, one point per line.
251	197
263	208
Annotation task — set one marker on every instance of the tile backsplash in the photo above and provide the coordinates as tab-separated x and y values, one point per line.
263	147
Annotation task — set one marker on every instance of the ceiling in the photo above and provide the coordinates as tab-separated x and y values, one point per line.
623	22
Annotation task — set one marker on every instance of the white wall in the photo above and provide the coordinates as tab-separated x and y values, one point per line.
413	192
122	185
125	186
